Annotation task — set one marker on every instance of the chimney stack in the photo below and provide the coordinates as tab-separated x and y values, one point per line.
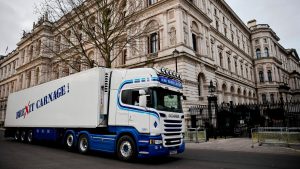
251	23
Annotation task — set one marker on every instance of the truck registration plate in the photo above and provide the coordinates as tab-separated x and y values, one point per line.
172	152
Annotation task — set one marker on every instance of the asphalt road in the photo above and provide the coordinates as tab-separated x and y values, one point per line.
14	155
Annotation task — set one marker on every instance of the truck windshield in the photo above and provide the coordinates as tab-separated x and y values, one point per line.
166	100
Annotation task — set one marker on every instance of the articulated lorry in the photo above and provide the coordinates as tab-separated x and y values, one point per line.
134	113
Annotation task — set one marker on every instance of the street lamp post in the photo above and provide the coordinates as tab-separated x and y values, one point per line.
211	88
284	89
175	54
212	99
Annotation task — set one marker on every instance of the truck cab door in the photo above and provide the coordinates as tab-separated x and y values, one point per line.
139	117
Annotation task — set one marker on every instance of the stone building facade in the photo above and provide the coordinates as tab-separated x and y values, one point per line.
245	62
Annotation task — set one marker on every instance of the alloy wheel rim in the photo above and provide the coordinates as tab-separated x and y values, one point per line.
23	136
29	137
17	135
70	140
126	149
83	144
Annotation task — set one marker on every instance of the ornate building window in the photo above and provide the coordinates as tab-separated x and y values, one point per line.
270	75
235	67
92	22
195	33
185	35
212	51
28	76
266	52
30	53
194	37
79	33
153	42
21	82
229	64
55	71
221	59
272	98
258	53
265	40
151	2
217	25
242	70
200	84
172	34
58	43
36	76
66	71
261	76
38	47
264	98
153	37
23	56
68	38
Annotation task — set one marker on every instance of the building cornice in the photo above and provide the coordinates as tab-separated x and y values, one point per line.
193	6
32	63
235	80
263	28
232	43
235	17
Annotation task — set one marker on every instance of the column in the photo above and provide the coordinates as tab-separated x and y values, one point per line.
265	74
32	83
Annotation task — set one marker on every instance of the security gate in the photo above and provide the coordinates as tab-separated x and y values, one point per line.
237	120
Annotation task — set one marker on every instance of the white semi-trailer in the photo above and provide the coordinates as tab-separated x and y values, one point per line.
133	113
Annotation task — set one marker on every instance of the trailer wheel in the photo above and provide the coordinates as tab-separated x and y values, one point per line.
29	136
23	136
17	135
83	144
69	142
126	149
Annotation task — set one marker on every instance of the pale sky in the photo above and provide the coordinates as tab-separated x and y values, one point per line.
282	15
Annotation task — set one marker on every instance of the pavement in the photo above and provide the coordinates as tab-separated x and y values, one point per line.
244	145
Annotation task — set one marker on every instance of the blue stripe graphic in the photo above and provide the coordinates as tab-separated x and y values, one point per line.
131	109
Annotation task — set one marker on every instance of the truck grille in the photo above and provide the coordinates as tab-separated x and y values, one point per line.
172	135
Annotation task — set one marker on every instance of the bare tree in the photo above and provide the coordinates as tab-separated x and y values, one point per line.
81	25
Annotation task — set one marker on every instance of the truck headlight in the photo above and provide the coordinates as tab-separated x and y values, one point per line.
152	141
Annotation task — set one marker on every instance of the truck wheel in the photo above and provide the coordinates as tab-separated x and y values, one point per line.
126	149
29	136
69	142
23	136
17	135
83	144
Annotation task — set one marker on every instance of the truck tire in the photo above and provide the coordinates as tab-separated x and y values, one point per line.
69	141
126	149
23	136
83	144
29	136
17	135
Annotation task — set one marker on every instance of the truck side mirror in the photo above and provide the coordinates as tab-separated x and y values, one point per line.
183	97
143	101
